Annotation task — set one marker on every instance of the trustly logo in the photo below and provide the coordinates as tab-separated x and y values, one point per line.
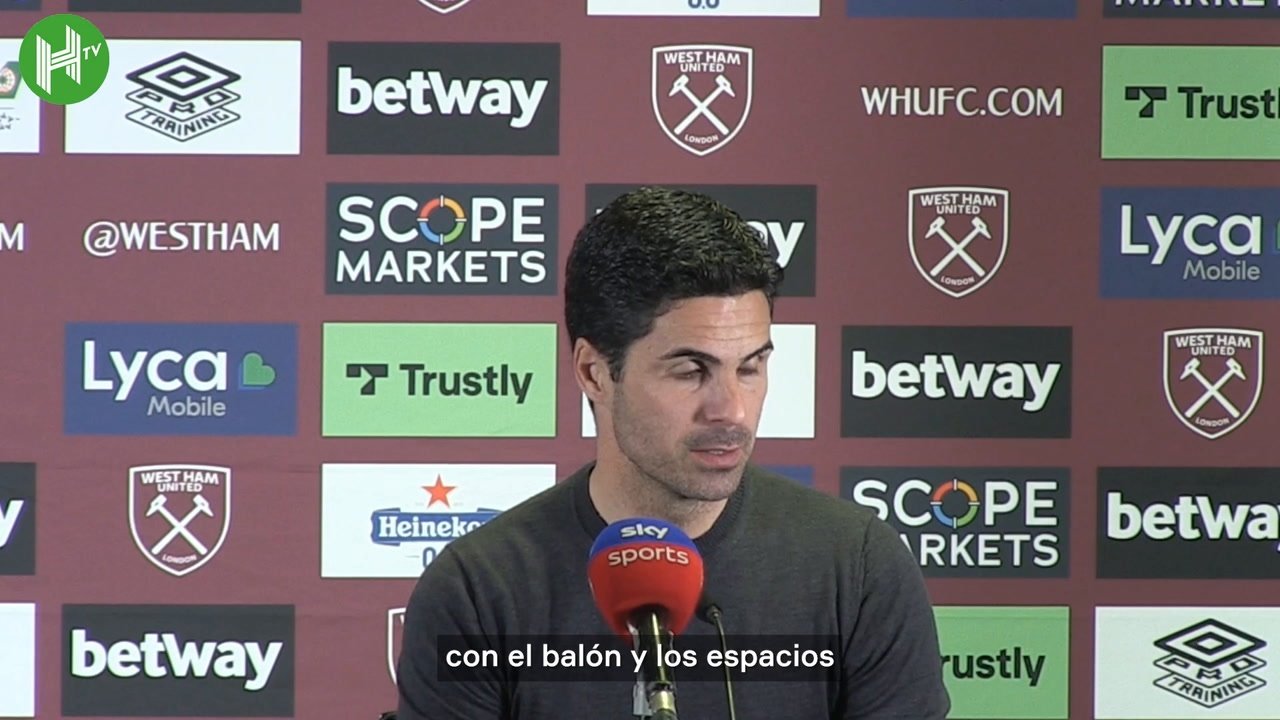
1189	523
444	98
207	660
702	94
1044	9
1005	662
391	521
1190	102
1175	242
958	235
972	522
785	216
1212	377
442	239
943	381
439	380
180	379
64	59
1192	9
179	514
17	520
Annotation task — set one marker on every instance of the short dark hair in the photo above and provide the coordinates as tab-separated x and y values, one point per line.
650	248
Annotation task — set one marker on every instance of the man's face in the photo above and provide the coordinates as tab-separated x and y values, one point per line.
686	409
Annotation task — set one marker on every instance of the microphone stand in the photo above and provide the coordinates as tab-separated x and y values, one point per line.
656	678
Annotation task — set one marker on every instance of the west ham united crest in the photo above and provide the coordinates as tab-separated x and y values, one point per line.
395	633
444	6
702	94
179	514
958	235
1212	377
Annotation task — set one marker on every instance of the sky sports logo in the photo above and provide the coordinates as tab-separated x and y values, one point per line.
180	379
444	98
390	239
968	102
1043	9
1205	243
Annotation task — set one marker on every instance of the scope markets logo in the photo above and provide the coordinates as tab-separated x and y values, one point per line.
1192	9
439	380
1205	243
18	661
1212	377
1176	663
969	101
237	6
17	521
1190	102
972	522
391	521
444	98
442	240
933	213
785	216
201	97
705	8
1043	9
1192	523
180	379
1005	662
956	381
206	660
200	493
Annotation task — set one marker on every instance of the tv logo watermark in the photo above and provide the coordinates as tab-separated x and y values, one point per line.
79	65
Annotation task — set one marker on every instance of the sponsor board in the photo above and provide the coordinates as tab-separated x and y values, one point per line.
956	381
973	522
786	216
702	93
1212	377
439	380
449	239
1185	663
1192	9
180	379
958	235
1005	663
1044	9
159	494
19	107
1190	102
193	97
409	98
178	660
18	660
1188	522
17	520
391	521
788	410
706	8
1197	242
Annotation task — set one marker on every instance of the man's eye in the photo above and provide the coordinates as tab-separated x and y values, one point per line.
689	373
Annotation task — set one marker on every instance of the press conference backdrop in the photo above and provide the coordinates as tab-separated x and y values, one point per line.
282	318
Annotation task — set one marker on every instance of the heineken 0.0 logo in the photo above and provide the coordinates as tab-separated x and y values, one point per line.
63	59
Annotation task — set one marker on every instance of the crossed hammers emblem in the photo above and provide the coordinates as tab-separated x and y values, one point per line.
180	526
701	106
1212	391
958	249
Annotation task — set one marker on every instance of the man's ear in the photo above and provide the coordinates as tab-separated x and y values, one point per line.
590	369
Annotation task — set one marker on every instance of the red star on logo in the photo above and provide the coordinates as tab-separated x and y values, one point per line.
439	492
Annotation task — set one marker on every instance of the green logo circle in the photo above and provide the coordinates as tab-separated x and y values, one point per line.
63	59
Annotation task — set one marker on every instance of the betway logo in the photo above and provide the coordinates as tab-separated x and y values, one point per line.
161	654
942	376
514	98
1192	517
9	514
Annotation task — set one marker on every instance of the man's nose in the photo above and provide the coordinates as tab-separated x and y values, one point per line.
726	400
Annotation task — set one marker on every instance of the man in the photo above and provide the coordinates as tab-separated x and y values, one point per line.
668	304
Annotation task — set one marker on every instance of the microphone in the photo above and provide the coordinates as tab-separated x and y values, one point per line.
646	578
710	612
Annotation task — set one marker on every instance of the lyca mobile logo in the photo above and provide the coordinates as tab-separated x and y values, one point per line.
163	379
958	235
1210	663
972	522
1212	377
64	59
701	94
1190	243
451	240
